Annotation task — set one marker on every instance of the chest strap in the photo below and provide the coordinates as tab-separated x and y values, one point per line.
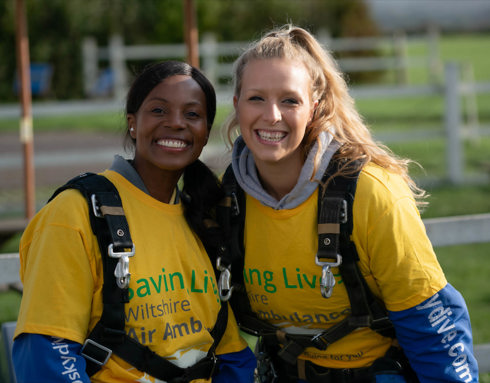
335	249
108	337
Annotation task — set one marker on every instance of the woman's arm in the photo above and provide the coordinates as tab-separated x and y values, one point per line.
436	337
430	317
60	362
237	367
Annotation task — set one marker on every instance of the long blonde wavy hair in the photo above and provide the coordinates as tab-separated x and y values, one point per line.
335	113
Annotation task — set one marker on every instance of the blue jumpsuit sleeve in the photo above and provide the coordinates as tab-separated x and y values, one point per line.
237	367
436	337
46	359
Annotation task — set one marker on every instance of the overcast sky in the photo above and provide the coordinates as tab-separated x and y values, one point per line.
448	14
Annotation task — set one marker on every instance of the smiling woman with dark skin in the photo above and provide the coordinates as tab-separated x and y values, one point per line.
164	148
173	306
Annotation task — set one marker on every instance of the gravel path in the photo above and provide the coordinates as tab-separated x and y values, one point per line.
59	156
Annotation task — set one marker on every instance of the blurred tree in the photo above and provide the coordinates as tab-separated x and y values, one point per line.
7	49
57	28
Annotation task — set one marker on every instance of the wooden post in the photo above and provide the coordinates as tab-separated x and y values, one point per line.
26	133
191	33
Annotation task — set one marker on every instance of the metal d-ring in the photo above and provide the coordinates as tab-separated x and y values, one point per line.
328	280
225	287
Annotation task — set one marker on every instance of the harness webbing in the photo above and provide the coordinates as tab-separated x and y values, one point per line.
108	337
335	223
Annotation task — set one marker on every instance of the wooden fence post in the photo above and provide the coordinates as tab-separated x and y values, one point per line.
90	64
117	61
453	122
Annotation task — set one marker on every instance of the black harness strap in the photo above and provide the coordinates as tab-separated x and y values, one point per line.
108	337
335	249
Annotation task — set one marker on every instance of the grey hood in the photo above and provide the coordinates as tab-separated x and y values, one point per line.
246	173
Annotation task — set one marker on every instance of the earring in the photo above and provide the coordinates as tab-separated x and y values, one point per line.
132	129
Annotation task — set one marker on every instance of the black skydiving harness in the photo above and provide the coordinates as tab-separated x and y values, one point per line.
335	249
108	337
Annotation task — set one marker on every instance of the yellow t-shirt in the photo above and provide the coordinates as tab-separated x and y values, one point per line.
174	300
396	259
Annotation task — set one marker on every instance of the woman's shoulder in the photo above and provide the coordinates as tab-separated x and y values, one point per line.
378	183
65	214
69	208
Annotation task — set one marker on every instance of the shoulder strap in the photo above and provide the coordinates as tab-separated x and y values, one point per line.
335	249
230	214
108	337
335	224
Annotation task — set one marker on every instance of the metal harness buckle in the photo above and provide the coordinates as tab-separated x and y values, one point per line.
90	342
328	280
343	212
235	207
121	272
95	206
224	283
214	360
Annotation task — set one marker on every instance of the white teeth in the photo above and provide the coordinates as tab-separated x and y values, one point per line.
271	136
172	143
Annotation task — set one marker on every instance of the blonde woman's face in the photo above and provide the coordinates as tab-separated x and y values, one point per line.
274	108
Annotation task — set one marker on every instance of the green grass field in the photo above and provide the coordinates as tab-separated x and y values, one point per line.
466	267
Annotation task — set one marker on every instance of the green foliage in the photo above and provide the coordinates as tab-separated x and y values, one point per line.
457	200
11	245
102	122
58	27
467	269
10	302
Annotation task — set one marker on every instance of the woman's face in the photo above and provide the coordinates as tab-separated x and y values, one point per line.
170	127
274	108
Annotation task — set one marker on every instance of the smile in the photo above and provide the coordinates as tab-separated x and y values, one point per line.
172	143
269	136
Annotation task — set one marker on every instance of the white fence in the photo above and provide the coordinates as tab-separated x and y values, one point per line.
455	91
451	85
217	58
389	54
456	94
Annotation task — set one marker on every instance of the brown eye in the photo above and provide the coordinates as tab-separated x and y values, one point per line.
193	115
158	110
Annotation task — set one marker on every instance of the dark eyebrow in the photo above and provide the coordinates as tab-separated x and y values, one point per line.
191	102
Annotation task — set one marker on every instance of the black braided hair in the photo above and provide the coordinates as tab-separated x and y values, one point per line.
201	191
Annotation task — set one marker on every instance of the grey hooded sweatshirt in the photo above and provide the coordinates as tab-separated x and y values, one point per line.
246	173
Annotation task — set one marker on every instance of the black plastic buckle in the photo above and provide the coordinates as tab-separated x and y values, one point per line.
360	321
290	352
95	352
381	324
319	342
